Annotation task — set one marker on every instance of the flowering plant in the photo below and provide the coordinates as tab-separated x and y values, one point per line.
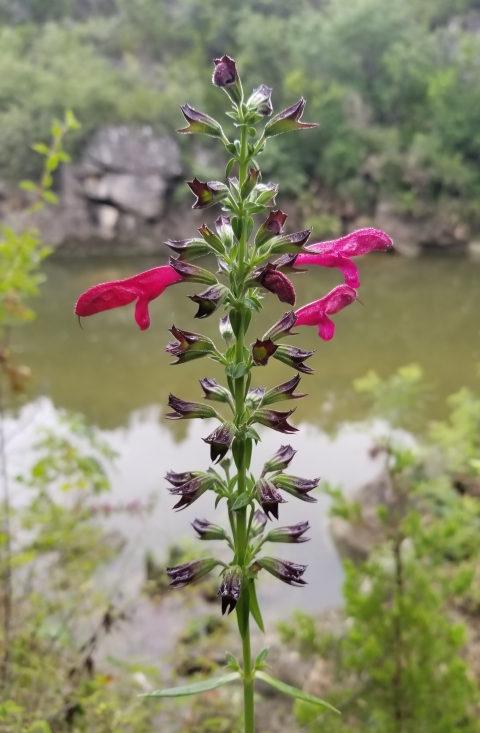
248	264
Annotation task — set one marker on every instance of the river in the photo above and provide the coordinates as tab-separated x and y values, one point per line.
424	311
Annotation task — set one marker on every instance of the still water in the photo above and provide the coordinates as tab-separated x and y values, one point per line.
424	311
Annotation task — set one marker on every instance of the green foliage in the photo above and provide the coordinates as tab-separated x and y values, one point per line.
395	87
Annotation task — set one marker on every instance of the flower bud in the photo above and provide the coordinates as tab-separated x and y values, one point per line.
262	351
258	523
260	101
268	497
183	575
230	588
288	120
209	300
226	330
280	460
275	419
207	193
225	76
265	193
208	531
224	230
276	282
282	328
294	357
199	123
270	228
290	572
220	440
189	346
250	182
292	534
286	243
215	392
192	274
188	249
191	489
296	486
285	391
254	397
188	410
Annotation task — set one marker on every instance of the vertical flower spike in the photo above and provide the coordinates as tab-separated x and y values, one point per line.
316	313
142	288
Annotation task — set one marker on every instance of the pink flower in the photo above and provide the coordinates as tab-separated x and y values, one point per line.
144	287
316	313
337	252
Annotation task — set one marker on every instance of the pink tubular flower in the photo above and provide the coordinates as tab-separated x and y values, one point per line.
337	252
316	313
144	287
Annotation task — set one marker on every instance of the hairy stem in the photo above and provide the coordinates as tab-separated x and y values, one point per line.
243	608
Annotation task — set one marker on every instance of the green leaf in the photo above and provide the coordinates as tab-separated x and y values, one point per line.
250	225
255	608
232	662
196	688
252	131
242	501
229	167
40	148
259	662
294	692
249	303
230	148
50	197
235	371
28	186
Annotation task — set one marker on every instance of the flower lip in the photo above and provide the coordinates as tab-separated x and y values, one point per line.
143	288
268	497
189	572
275	419
280	460
209	300
284	391
262	351
199	123
208	193
282	328
188	346
292	534
220	441
296	486
316	313
294	357
288	120
182	409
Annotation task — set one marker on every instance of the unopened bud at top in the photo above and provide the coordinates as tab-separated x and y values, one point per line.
225	76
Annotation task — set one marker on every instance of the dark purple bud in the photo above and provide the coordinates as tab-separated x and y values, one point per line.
199	123
191	490
209	300
225	76
220	441
285	391
212	239
282	328
262	351
275	419
276	282
293	534
268	497
226	330
187	410
265	193
183	575
288	120
207	193
188	346
215	392
290	242
286	263
188	249
224	230
208	531
260	101
270	228
258	523
250	182
280	460
191	273
290	572
230	589
298	487
179	479
254	397
294	357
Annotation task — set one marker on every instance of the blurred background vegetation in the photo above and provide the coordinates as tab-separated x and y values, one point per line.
395	86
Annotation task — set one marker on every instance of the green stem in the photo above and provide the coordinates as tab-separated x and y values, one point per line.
241	534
